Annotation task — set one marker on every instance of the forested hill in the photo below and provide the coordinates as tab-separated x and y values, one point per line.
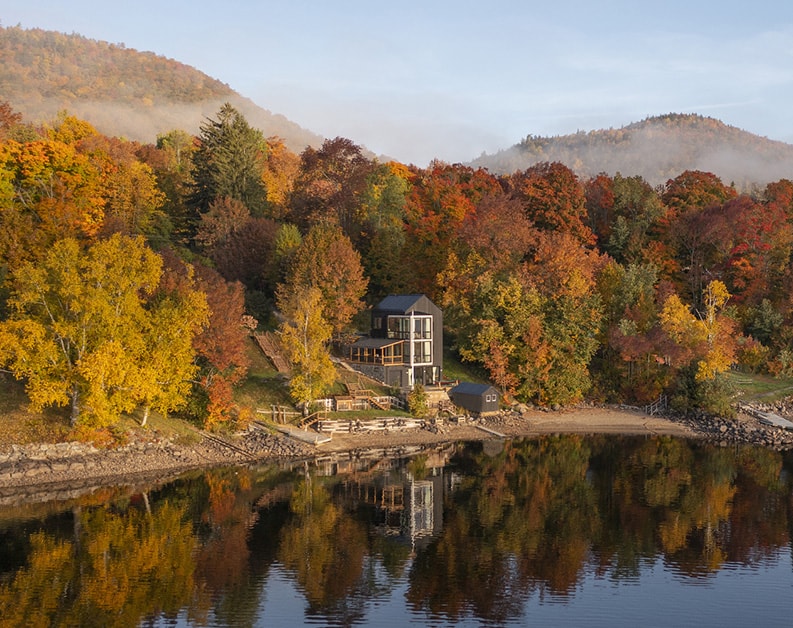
121	91
657	148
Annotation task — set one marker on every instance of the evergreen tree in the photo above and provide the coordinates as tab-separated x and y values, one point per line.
229	162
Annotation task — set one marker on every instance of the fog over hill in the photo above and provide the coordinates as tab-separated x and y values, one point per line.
121	91
657	148
138	95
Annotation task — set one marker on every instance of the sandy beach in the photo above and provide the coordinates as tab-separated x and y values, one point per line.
585	420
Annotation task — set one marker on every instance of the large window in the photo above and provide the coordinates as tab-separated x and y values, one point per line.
422	327
422	352
398	327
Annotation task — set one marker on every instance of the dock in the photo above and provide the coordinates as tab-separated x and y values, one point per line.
769	418
774	420
489	431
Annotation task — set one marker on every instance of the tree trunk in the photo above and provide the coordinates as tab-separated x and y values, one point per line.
145	415
75	406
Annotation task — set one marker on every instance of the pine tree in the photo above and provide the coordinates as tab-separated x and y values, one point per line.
229	162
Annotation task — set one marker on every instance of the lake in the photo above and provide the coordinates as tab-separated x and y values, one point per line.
550	531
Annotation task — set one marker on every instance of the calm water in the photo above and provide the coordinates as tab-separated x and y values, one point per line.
556	531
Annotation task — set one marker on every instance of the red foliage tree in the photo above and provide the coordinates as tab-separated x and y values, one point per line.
222	345
553	199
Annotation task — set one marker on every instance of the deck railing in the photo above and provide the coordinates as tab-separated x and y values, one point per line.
659	405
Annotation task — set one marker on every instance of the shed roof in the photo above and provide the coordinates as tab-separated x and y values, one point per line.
470	388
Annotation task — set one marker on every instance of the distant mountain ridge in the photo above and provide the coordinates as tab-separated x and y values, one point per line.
657	148
127	93
121	91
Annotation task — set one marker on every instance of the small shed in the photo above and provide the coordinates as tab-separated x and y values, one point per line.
476	398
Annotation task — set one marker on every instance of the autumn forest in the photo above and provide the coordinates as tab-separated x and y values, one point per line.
133	273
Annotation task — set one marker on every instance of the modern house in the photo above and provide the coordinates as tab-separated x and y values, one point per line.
476	398
405	344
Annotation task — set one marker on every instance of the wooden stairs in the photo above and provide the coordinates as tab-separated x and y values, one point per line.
269	345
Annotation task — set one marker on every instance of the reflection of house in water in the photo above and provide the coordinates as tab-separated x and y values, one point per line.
419	519
400	505
403	506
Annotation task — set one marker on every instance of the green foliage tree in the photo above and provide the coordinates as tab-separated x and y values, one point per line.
418	404
382	216
171	162
229	162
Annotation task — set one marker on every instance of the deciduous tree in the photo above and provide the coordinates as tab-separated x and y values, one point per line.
330	186
305	335
708	338
326	260
75	331
553	199
221	346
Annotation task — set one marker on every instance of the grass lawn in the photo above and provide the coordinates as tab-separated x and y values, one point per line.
263	388
760	388
20	425
456	369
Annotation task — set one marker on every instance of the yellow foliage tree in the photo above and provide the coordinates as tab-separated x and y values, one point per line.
707	338
305	335
82	331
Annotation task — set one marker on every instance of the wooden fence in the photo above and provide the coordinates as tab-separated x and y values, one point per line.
280	414
346	403
378	424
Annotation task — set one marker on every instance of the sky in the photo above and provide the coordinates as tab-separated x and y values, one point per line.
449	80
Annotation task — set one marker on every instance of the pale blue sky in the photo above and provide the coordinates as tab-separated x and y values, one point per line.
450	79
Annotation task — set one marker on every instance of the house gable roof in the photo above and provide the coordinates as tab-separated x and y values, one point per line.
402	303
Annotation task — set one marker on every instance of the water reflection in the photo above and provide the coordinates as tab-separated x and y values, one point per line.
486	532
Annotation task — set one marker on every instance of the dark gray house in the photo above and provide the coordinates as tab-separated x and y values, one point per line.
476	398
405	344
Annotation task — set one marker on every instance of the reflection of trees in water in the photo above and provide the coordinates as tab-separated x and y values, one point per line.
530	520
117	569
324	548
509	525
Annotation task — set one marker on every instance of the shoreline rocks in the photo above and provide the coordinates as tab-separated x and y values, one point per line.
41	466
744	429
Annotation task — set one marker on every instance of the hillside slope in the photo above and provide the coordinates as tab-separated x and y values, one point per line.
121	91
657	148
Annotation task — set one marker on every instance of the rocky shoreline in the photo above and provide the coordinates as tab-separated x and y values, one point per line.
745	429
46	470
